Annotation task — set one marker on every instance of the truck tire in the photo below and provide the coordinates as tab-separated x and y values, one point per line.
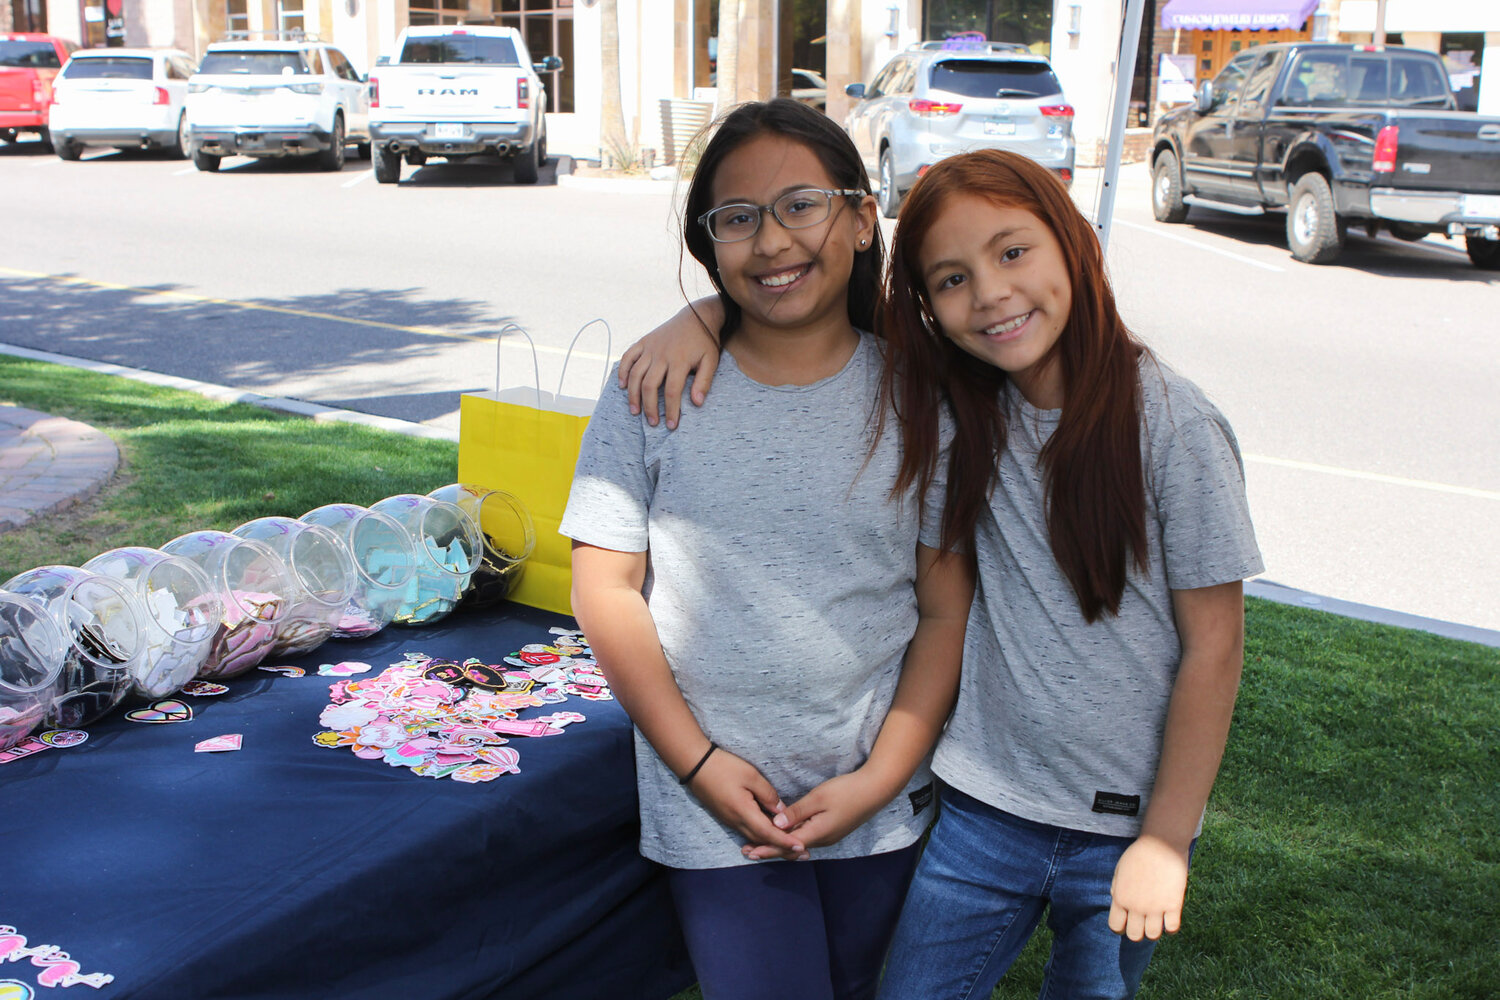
332	158
66	149
1166	189
387	165
1484	253
1313	229
889	198
529	163
207	162
181	149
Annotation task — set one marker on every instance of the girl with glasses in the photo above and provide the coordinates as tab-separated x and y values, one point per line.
1104	498
775	615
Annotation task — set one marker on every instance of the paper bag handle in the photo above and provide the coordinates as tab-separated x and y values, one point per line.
608	349
536	369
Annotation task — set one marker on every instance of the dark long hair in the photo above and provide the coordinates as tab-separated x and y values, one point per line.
833	148
1095	485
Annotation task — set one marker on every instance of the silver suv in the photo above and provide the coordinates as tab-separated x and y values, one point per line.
941	98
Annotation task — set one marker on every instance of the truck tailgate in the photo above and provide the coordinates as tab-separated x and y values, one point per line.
448	93
1447	151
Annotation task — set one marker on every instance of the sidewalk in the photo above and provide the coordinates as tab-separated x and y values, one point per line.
48	463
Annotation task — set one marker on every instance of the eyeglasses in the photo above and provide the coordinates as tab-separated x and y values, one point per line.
794	210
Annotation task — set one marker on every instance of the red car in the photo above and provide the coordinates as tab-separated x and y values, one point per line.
28	62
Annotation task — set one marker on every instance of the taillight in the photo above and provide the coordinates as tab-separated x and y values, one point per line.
374	92
933	109
1385	149
162	97
1057	110
523	93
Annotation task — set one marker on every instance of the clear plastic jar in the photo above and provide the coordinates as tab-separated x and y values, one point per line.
384	564
322	577
101	625
182	611
447	553
251	584
507	534
32	649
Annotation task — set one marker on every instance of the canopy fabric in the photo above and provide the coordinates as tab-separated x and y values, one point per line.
1237	15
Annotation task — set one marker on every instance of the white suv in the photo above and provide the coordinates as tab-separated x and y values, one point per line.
275	98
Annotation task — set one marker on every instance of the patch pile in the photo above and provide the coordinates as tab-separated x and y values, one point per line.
445	719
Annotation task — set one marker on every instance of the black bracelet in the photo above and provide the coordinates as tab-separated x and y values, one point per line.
712	746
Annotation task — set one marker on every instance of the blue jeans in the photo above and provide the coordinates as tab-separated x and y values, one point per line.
979	893
810	930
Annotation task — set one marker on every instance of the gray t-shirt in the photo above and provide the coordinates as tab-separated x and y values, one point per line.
1060	721
781	581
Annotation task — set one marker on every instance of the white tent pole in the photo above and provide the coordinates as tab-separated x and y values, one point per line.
1124	75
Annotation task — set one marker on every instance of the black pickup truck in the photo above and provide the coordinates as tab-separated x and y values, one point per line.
1334	135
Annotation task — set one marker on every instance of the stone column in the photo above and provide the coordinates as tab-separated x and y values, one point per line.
844	46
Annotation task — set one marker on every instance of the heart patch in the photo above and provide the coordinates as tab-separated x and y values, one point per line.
170	710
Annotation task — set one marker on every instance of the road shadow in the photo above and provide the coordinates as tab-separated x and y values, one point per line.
479	174
252	344
25	147
1383	255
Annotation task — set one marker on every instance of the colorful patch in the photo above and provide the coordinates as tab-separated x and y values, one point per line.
347	668
162	712
204	689
220	744
63	738
286	671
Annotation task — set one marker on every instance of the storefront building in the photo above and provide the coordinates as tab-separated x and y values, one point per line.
668	48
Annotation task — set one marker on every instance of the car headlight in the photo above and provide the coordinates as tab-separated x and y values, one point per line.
305	88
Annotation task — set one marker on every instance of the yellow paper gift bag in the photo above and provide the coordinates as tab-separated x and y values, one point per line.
525	441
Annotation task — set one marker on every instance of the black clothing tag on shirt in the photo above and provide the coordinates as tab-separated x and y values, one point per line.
1120	805
920	799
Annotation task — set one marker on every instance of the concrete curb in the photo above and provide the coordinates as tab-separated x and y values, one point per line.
48	464
1267	589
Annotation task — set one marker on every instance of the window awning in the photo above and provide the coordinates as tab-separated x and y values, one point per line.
1237	15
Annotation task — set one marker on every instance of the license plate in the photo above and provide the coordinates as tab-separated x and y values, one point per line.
448	131
994	127
1481	206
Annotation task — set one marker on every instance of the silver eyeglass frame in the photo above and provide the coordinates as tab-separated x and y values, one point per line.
761	210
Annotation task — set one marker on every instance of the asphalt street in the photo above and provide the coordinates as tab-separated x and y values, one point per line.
1363	393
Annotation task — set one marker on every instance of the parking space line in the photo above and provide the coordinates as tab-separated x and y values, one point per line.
1156	231
424	331
1374	477
363	176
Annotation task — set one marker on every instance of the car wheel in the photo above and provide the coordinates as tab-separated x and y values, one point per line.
529	163
1484	253
1166	189
207	162
889	198
66	149
332	158
387	165
184	146
1313	230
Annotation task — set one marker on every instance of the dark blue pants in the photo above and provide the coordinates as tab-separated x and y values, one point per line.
814	930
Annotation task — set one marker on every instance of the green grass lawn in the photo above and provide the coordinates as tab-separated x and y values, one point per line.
1351	848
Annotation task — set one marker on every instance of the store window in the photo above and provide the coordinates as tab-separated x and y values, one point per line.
547	26
426	12
1026	22
290	18
237	17
1463	51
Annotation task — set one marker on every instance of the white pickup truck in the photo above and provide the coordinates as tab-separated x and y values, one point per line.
459	92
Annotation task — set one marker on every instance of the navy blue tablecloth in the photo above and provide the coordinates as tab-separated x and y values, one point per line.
287	869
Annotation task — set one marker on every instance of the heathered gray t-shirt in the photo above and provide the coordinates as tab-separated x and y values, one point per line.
1060	721
781	581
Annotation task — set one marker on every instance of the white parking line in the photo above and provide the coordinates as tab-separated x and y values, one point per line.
364	176
1374	477
1156	231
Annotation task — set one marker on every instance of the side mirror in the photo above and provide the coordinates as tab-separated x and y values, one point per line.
1205	101
550	64
855	90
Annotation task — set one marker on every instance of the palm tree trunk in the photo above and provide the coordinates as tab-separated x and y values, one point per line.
614	142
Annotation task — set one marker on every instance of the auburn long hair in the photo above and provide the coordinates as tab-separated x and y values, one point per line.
1095	485
835	151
